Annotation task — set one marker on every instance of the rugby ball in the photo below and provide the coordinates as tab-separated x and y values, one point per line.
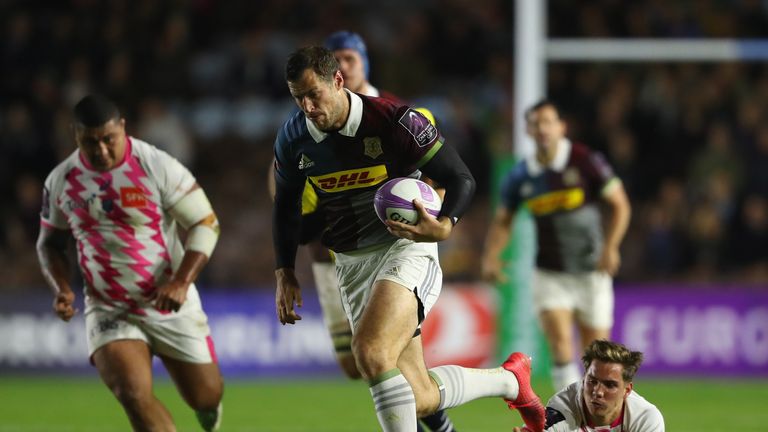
394	200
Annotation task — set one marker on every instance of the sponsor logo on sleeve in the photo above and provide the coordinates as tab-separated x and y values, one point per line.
419	127
132	197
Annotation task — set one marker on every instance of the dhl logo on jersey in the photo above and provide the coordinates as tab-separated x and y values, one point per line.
568	199
350	179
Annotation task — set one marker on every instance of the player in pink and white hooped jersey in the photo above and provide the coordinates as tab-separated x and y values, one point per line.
120	198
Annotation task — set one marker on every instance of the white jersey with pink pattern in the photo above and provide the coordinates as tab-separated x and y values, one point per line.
127	243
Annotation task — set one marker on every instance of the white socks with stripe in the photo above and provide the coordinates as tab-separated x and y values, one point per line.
459	385
394	401
564	375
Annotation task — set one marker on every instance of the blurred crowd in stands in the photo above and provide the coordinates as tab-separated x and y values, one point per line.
204	80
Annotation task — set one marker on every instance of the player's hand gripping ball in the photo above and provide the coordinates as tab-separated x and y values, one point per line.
394	200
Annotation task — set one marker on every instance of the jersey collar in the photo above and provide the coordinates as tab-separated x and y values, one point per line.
371	91
350	127
558	163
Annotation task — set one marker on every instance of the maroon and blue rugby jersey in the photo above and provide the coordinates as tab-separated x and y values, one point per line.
380	140
563	201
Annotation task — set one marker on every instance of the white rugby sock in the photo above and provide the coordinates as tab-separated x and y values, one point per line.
394	401
459	385
564	375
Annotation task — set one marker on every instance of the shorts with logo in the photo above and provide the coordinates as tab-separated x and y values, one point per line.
588	294
183	335
413	265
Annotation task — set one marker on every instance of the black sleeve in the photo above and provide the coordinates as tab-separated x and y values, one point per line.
448	170
286	219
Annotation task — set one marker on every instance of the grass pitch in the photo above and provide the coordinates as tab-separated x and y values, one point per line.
32	404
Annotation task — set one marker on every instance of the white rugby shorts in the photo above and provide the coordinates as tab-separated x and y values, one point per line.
413	265
589	295
184	336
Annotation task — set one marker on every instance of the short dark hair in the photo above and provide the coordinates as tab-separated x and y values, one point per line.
317	58
541	104
613	352
95	110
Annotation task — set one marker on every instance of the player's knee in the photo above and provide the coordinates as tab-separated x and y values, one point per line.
562	351
131	397
207	396
372	358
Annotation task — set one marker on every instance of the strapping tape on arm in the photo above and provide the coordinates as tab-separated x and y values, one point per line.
193	208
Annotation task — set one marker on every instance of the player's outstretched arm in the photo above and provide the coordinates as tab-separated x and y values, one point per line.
52	255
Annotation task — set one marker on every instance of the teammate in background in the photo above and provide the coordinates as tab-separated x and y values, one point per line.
121	199
561	185
350	51
604	399
388	275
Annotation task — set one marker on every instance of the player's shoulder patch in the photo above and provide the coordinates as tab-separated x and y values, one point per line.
418	126
553	417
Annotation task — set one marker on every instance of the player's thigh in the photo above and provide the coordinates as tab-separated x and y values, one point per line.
334	316
103	327
595	302
200	384
125	366
184	343
389	320
590	334
552	290
185	337
557	325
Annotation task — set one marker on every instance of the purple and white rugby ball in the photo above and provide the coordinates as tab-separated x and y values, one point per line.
394	200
